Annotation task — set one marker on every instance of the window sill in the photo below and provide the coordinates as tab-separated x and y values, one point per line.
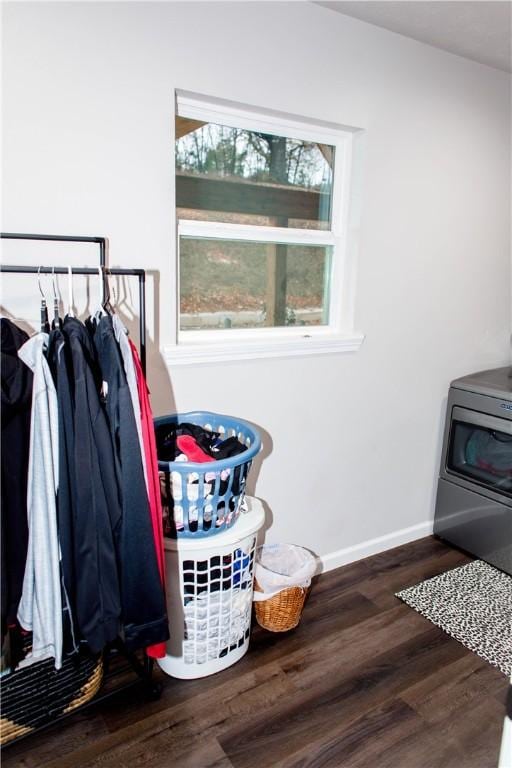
232	351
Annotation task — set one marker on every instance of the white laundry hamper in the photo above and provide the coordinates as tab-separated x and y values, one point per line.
209	584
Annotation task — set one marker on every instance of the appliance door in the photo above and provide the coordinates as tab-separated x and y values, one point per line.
475	523
479	453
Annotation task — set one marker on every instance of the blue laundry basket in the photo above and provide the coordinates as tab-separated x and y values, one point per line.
199	499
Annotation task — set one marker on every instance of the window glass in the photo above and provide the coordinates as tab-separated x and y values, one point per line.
239	176
243	284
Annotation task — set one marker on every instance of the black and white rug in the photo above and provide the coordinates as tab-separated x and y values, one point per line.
473	604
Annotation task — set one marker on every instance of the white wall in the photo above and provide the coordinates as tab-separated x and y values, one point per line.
352	441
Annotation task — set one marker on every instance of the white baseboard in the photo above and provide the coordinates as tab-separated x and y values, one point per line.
373	546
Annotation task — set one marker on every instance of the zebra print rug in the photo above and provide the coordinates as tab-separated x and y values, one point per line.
473	604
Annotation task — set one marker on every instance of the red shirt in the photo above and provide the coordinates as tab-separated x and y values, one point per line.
148	438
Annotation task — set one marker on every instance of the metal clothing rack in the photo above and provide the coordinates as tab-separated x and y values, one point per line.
143	669
102	242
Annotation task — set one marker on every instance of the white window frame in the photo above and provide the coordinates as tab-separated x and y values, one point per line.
207	346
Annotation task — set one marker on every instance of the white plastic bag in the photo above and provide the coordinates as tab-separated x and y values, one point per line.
280	566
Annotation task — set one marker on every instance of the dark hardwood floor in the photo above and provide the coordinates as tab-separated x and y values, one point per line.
363	681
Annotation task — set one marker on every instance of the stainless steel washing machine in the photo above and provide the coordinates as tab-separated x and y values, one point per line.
474	493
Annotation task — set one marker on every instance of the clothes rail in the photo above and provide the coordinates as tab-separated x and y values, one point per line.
142	668
101	241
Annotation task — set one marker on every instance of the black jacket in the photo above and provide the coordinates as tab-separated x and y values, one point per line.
61	367
16	409
143	600
89	506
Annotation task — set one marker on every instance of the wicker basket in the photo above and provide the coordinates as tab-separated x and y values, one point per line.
35	695
283	611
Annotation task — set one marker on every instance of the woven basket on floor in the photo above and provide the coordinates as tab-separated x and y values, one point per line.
281	612
37	694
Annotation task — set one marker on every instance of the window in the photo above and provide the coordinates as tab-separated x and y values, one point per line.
262	218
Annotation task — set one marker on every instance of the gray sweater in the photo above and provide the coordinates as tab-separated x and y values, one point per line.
40	608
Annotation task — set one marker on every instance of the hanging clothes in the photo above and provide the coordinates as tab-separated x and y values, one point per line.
61	367
92	505
16	407
156	651
143	599
121	335
40	608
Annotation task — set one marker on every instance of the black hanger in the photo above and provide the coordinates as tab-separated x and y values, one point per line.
106	303
45	325
104	289
56	323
